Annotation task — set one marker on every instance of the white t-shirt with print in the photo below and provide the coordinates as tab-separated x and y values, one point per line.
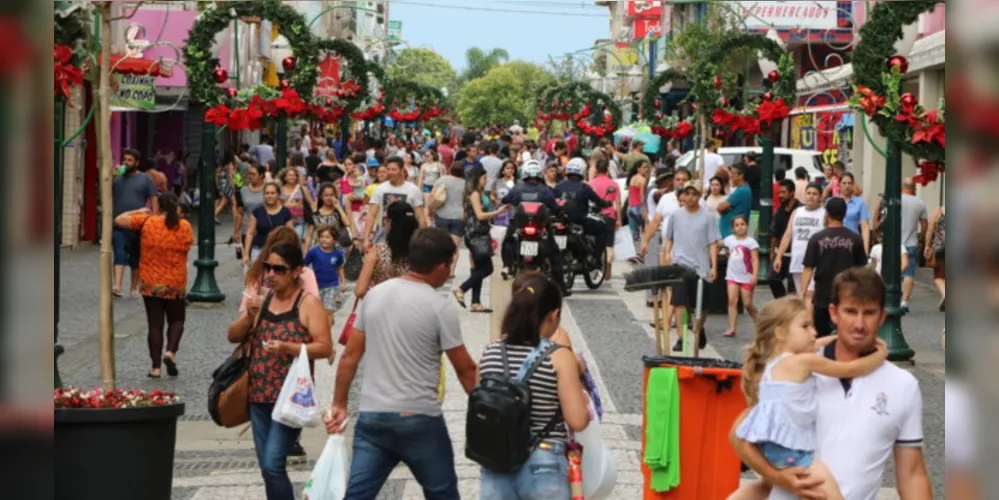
740	258
712	162
667	206
385	194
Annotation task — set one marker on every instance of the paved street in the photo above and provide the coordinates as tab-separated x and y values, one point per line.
608	325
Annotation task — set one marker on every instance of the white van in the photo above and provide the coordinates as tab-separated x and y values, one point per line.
789	159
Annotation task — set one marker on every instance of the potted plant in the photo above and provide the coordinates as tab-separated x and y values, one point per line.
116	444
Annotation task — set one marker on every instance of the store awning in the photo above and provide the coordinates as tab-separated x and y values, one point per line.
826	80
133	66
927	52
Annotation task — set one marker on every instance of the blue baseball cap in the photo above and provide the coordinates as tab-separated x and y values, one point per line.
373	162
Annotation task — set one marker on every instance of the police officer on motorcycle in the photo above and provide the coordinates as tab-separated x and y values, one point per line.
576	196
533	189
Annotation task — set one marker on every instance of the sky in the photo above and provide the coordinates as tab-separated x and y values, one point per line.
526	34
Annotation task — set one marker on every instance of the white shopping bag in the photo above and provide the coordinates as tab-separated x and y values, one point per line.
599	469
329	477
296	404
498	234
624	246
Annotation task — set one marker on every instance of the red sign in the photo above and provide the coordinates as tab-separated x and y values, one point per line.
645	8
329	77
650	26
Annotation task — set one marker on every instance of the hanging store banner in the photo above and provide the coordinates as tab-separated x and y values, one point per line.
623	57
395	30
645	8
815	15
649	26
130	92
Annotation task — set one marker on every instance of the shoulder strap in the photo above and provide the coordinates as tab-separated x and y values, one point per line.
245	344
506	359
543	351
298	300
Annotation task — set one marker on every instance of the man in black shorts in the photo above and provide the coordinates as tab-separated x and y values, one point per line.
691	241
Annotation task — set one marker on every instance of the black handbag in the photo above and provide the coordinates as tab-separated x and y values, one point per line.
353	262
481	245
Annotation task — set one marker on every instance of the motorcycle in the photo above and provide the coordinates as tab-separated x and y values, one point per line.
530	237
582	254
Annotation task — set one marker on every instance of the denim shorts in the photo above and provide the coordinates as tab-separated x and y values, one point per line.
330	297
125	247
783	458
910	270
455	227
544	475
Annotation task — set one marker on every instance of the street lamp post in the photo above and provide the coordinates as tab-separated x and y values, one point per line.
60	115
206	288
766	201
891	330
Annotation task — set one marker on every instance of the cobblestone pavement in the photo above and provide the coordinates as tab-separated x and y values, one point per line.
608	325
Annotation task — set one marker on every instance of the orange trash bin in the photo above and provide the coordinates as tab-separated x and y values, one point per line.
711	399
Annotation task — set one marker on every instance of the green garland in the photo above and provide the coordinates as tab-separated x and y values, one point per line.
651	93
870	65
291	24
403	90
581	94
703	85
70	28
355	66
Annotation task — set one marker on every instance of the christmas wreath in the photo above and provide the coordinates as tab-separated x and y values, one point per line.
353	89
878	71
372	105
668	127
67	69
419	102
203	73
577	101
758	116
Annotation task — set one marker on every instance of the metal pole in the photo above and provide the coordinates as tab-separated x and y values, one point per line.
766	202
206	288
891	330
281	141
60	129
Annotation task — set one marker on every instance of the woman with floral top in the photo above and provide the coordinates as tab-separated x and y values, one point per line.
164	241
286	318
329	212
387	260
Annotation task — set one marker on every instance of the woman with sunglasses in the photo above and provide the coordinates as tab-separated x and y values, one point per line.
287	318
264	219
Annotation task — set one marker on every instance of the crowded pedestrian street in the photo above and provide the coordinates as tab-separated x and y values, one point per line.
685	251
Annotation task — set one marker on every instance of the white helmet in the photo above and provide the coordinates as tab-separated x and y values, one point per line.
531	170
576	166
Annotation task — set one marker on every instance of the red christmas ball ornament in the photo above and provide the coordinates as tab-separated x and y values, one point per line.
658	104
220	75
232	93
768	96
900	61
693	106
723	101
329	102
285	85
718	82
288	63
909	100
659	116
773	76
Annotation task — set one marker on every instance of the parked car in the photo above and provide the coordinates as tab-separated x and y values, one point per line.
789	159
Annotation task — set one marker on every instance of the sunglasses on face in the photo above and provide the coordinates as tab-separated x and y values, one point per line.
277	268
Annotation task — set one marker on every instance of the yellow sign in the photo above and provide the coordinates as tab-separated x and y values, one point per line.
623	58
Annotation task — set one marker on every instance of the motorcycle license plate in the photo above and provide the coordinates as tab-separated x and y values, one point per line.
529	248
560	241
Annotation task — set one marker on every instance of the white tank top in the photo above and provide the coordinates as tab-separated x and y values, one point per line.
806	223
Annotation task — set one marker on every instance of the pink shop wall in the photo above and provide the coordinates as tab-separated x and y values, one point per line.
931	23
175	25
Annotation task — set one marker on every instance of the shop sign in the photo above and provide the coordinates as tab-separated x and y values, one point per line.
650	26
645	8
818	14
131	92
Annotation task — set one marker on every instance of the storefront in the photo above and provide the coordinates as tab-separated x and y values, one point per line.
827	129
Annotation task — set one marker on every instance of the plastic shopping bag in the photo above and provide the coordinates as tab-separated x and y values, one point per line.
599	469
624	246
296	404
329	477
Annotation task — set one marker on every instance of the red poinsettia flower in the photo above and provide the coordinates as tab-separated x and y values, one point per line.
722	118
683	130
931	133
63	54
239	119
218	115
872	104
770	111
750	126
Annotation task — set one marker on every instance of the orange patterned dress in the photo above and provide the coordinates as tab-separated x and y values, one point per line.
162	256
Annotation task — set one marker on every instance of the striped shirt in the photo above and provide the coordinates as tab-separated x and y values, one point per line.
543	384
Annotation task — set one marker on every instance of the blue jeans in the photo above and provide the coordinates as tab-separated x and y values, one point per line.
784	458
544	476
382	440
273	441
635	221
125	247
910	270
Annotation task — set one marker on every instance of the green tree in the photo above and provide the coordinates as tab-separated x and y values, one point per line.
506	93
479	62
423	66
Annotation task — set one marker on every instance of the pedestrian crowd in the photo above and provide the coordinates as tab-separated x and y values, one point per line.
391	212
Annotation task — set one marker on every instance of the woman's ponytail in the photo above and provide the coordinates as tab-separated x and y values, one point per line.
530	303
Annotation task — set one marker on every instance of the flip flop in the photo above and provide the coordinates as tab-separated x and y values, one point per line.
480	309
730	333
171	366
150	375
460	297
117	293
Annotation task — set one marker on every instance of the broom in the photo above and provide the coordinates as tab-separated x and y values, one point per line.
655	277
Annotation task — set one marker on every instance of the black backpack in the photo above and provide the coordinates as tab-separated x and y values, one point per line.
498	424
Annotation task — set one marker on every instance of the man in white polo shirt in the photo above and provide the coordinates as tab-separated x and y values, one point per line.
861	421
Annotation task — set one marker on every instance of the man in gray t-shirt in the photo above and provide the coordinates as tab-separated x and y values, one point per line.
914	220
402	328
492	164
691	241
